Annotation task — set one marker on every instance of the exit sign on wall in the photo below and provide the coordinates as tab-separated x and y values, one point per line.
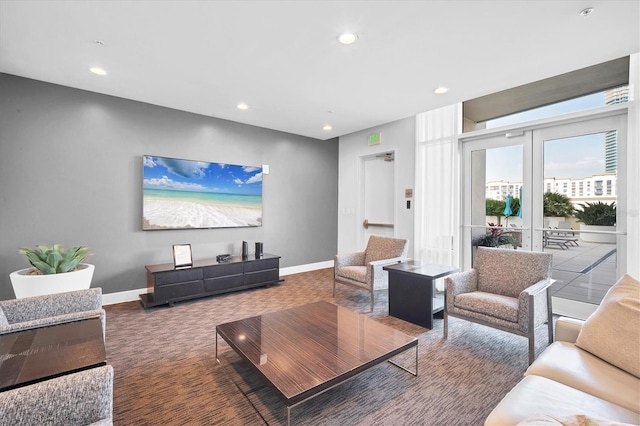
374	139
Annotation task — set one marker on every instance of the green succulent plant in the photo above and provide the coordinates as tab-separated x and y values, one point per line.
54	259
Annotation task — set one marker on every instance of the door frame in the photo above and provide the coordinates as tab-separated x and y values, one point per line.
361	194
580	128
591	121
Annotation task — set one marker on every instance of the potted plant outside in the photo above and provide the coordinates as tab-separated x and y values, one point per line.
495	237
597	216
54	270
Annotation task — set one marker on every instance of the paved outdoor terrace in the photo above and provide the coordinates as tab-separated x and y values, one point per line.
582	275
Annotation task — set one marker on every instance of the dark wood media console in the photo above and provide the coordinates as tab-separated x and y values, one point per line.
167	284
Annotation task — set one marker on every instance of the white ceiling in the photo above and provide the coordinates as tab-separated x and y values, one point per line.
283	60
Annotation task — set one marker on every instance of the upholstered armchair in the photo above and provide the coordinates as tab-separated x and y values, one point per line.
82	398
363	269
51	309
506	289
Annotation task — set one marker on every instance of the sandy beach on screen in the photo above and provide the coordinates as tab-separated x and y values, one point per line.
163	214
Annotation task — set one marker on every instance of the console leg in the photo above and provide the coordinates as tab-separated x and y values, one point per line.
217	360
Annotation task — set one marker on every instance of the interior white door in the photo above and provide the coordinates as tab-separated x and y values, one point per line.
378	192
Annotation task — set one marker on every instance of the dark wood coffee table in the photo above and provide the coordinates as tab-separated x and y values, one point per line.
43	353
304	351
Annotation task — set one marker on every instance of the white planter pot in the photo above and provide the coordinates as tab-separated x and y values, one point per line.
25	285
597	238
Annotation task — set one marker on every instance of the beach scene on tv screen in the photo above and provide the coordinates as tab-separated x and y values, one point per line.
182	194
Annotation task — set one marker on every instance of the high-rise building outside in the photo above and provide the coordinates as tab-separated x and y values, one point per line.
614	96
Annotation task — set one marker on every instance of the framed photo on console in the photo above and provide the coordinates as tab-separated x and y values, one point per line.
182	255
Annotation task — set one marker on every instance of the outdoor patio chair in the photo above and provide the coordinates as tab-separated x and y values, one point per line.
506	289
363	269
549	239
565	231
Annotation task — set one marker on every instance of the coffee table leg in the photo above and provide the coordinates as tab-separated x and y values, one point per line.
288	416
415	373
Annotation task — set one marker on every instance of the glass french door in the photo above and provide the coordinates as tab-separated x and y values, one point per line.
497	191
519	169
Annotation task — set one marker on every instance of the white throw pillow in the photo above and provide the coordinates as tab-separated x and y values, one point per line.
612	332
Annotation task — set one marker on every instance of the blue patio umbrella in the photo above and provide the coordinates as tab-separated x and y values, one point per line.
507	209
520	209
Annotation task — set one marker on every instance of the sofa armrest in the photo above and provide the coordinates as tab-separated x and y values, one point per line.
375	273
349	259
80	398
538	294
51	305
567	329
385	262
58	319
536	288
461	282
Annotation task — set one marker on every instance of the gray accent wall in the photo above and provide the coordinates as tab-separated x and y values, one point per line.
71	173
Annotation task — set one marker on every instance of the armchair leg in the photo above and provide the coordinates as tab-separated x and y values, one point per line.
549	317
334	288
532	347
445	319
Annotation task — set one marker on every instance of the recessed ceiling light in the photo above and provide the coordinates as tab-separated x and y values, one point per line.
243	106
98	71
327	127
347	38
440	90
586	12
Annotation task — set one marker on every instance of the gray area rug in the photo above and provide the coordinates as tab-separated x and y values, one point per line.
166	373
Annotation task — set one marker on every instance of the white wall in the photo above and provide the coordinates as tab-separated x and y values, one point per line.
397	136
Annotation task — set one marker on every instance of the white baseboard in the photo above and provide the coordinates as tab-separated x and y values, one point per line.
306	268
572	308
133	295
123	296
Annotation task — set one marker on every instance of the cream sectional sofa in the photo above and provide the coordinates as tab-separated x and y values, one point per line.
590	375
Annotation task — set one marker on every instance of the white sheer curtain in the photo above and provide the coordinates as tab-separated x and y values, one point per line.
437	186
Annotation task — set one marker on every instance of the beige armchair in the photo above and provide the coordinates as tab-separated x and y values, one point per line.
506	289
363	269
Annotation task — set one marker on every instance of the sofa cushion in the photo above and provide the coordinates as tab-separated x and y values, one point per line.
611	332
535	396
356	273
576	420
503	307
380	248
570	365
508	272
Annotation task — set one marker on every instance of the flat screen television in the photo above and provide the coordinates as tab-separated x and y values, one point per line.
187	194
